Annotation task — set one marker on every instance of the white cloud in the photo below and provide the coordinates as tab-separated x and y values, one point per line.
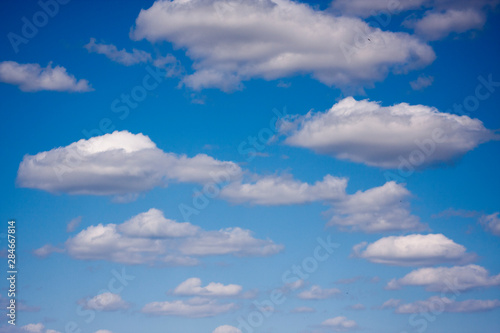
116	164
413	250
226	329
391	303
444	304
491	223
33	77
47	250
316	292
447	279
73	224
103	331
231	41
34	328
357	306
192	287
193	308
175	244
364	8
106	302
379	209
423	81
437	25
303	309
120	56
153	224
339	324
284	190
366	132
51	331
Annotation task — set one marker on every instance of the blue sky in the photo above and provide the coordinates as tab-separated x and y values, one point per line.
251	166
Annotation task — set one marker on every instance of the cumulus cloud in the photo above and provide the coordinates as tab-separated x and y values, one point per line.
231	41
437	25
413	250
34	328
491	223
135	242
106	302
384	136
316	292
33	77
339	324
284	190
192	287
226	329
117	164
120	56
380	209
447	279
444	304
193	308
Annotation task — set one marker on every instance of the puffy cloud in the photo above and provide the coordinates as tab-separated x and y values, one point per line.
106	302
135	242
379	209
413	250
231	41
284	190
447	279
437	25
303	309
339	324
491	223
444	304
120	56
193	308
423	81
192	287
226	329
33	77
365	8
152	224
316	292
116	164
384	136
34	328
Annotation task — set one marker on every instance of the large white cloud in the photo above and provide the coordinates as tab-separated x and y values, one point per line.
447	279
284	190
379	209
106	302
175	244
233	40
192	287
33	77
193	308
383	136
116	164
413	250
444	304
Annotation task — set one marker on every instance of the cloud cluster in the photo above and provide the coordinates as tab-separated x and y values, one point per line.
379	209
116	164
444	304
284	190
194	308
447	279
231	41
339	323
174	244
382	136
192	287
33	77
413	250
